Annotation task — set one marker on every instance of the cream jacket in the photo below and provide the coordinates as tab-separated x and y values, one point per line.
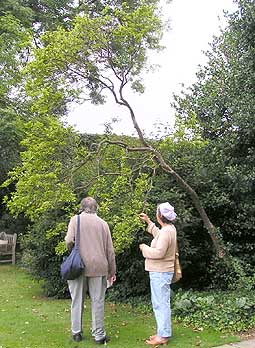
160	255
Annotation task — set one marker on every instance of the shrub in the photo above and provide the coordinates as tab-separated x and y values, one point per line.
231	273
39	256
132	281
224	311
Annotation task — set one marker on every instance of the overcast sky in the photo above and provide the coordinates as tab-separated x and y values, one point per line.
193	24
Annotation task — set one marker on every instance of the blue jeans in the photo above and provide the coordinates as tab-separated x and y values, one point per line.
160	298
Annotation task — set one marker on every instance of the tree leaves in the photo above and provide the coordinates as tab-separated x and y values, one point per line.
92	55
40	183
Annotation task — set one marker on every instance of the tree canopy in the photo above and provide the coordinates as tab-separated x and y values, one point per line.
98	53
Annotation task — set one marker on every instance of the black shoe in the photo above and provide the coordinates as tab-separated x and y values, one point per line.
77	337
103	340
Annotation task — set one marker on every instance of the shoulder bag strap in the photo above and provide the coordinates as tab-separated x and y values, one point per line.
77	239
176	248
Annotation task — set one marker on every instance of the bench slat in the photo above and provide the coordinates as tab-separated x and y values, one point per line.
8	247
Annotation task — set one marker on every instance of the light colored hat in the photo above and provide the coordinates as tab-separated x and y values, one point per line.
167	211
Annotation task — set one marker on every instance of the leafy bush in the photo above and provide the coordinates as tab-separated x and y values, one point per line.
224	311
231	273
39	256
132	281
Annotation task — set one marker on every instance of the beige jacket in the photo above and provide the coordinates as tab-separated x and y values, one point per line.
160	256
95	247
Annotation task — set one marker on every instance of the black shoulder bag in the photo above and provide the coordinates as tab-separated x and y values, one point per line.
72	265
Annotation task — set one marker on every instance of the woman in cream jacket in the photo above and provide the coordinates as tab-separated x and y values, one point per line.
159	262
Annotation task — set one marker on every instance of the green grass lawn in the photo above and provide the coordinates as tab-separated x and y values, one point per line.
29	320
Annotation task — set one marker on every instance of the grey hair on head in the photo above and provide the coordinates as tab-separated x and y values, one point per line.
89	205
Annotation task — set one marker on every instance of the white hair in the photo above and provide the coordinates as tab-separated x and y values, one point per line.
89	205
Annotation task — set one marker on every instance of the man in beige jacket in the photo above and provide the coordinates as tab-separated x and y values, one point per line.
96	250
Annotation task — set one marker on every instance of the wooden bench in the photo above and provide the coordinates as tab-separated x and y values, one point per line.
8	247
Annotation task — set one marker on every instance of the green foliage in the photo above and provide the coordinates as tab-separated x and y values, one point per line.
40	16
10	137
21	22
121	197
39	255
231	273
85	57
14	41
47	162
53	168
223	101
132	284
40	178
82	55
224	311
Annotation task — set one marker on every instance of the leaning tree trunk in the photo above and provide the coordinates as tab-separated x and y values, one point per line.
158	158
214	235
216	239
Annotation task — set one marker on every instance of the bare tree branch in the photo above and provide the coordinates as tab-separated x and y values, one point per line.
91	182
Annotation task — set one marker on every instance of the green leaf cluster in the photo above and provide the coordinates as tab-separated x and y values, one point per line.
121	199
86	59
223	311
40	178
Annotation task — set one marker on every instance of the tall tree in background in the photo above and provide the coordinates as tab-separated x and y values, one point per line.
223	101
21	24
104	53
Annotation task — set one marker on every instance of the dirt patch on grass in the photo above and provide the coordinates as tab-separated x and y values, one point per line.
247	335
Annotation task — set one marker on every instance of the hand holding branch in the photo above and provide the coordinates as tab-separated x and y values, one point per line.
145	218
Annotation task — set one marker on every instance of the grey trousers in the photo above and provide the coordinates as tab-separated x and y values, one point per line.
96	287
